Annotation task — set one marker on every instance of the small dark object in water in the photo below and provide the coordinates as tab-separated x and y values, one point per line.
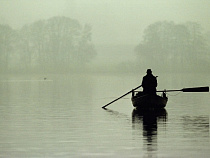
45	78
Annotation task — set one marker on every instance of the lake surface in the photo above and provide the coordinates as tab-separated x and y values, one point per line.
61	116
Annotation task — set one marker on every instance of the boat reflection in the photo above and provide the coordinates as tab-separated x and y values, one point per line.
148	121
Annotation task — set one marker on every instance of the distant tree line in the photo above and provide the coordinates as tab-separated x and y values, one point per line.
175	47
56	44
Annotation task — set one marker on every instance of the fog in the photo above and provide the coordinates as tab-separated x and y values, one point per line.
113	35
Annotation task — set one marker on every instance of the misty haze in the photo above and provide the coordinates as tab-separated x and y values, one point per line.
61	60
66	36
61	44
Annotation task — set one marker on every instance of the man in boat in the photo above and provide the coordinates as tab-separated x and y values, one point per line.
149	83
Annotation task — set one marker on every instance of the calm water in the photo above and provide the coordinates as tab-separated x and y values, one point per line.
62	117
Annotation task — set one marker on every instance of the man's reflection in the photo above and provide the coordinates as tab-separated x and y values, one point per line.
148	121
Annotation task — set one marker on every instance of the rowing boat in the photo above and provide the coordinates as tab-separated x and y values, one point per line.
147	101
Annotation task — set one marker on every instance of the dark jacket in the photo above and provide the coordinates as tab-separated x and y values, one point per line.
149	84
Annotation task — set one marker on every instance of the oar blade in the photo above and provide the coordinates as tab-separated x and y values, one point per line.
196	89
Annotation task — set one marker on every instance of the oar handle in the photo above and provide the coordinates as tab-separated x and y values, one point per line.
194	89
120	97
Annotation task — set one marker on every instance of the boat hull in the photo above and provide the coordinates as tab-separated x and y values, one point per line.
149	101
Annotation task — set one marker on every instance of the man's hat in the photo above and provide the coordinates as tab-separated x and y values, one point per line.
149	71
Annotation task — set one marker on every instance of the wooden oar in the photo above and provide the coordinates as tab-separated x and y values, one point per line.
121	97
195	89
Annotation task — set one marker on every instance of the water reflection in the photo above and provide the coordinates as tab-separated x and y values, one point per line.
148	121
195	126
116	113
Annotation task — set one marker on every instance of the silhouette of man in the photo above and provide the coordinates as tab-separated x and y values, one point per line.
149	83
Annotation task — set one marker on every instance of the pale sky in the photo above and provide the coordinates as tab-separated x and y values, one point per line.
112	21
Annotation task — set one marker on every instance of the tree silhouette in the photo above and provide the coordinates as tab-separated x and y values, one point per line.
171	45
7	37
47	45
